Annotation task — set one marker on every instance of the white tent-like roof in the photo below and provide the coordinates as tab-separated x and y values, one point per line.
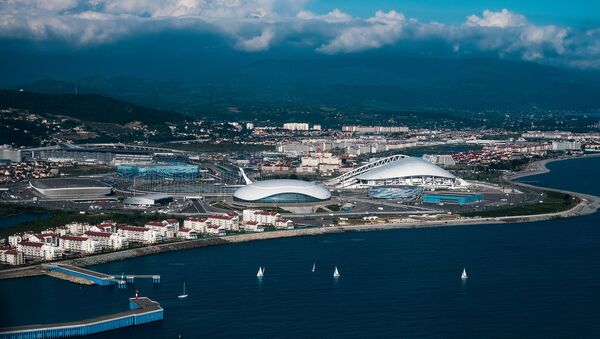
405	168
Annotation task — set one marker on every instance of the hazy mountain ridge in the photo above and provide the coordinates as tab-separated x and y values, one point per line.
86	107
358	84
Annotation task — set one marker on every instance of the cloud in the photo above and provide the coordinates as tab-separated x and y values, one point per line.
257	25
502	19
257	43
334	16
380	30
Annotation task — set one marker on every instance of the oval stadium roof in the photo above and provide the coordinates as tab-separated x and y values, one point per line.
262	189
406	167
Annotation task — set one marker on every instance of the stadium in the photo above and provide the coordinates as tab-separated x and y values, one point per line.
70	188
281	191
397	170
161	178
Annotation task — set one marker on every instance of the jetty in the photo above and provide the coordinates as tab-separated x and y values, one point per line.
77	274
142	310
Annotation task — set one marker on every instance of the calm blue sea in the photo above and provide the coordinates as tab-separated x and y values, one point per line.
526	280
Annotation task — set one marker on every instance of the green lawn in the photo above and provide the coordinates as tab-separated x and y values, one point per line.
552	202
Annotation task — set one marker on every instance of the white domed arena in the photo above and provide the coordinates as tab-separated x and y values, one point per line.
281	191
397	170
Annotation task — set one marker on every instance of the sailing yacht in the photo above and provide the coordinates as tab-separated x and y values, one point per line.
336	273
313	268
184	294
260	273
464	275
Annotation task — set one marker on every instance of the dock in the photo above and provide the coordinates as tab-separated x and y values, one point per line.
76	274
142	310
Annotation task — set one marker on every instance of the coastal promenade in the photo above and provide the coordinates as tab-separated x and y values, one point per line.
586	204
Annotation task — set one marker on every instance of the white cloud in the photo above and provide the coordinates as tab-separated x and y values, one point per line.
380	30
502	19
256	25
257	43
334	16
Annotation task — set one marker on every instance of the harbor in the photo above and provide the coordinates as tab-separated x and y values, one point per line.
142	310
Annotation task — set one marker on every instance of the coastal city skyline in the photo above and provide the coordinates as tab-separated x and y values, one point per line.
260	168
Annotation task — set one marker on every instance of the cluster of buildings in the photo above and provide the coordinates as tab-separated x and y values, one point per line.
14	172
249	221
84	238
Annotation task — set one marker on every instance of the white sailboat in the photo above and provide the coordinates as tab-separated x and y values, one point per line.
260	273
184	294
313	268
464	275
336	273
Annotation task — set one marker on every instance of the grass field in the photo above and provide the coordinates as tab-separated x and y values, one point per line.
551	202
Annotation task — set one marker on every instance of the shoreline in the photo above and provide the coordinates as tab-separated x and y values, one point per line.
587	204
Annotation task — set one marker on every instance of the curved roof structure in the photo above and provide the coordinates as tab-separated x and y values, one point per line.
406	167
262	190
70	188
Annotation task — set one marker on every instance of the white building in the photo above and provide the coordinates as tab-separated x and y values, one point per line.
260	216
215	230
227	221
566	146
138	234
78	227
7	153
106	240
440	159
167	229
70	243
11	256
197	224
253	226
285	224
296	126
38	250
187	233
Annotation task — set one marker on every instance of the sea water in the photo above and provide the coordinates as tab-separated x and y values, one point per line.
525	280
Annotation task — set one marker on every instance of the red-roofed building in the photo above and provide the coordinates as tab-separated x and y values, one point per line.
70	243
138	234
106	240
196	223
215	230
38	250
286	224
187	233
260	216
11	256
166	229
253	226
228	222
46	238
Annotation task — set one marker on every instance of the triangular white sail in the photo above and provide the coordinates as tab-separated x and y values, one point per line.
336	273
464	275
314	266
260	272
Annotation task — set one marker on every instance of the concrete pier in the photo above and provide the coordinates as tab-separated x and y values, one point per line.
142	310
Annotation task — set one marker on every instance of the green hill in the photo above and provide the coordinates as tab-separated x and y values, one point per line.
86	107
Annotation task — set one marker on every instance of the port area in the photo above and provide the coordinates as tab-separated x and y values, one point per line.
141	310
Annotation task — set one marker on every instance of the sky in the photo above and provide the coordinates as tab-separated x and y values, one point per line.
558	33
